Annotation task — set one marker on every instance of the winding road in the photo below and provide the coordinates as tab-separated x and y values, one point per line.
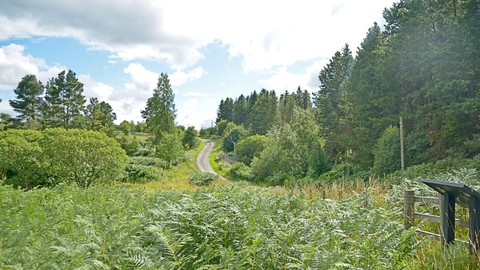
203	159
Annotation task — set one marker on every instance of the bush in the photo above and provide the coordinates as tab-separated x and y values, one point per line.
149	161
144	169
241	171
33	158
83	157
22	163
250	147
203	178
129	144
141	174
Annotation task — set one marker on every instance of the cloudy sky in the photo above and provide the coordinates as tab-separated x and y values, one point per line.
211	49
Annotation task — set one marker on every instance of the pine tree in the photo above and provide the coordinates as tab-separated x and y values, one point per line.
225	110
264	112
64	100
240	111
159	113
28	101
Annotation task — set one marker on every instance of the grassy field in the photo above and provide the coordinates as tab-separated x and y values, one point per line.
172	224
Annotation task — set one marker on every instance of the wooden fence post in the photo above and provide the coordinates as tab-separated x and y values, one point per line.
408	208
440	203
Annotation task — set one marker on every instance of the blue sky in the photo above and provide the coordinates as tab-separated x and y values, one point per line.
211	50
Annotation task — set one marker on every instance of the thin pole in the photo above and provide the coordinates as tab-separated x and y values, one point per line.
402	157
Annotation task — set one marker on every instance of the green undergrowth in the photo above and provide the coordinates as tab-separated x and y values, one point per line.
217	228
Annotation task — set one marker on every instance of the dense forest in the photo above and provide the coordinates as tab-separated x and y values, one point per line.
423	66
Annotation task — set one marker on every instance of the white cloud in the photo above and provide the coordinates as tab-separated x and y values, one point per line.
180	77
196	94
265	33
15	64
95	89
194	113
142	79
282	79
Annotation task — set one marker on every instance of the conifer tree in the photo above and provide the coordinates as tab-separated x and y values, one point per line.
159	113
28	98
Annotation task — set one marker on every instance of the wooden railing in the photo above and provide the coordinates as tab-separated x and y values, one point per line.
410	215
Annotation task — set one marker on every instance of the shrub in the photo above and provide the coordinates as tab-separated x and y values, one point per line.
141	174
83	157
203	178
241	171
148	161
129	144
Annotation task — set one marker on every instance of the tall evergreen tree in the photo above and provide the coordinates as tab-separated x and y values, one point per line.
331	113
28	98
240	111
159	113
263	113
286	104
225	110
64	99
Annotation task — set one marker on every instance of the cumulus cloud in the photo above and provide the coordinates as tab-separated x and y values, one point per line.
180	77
194	114
15	64
282	79
92	88
129	29
265	34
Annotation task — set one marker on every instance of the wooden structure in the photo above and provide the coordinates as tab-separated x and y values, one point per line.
450	194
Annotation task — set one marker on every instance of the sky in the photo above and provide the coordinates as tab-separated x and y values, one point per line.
210	49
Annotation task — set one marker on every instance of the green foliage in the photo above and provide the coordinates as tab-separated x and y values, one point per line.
249	148
240	171
22	163
291	150
263	112
225	111
64	102
159	113
129	143
387	152
203	178
99	115
149	161
28	100
229	228
6	121
144	169
344	172
170	149
190	138
83	157
221	126
232	135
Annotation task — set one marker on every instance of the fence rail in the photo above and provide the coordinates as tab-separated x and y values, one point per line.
410	215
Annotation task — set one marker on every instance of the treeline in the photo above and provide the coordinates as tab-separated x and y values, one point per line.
58	103
424	67
57	138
